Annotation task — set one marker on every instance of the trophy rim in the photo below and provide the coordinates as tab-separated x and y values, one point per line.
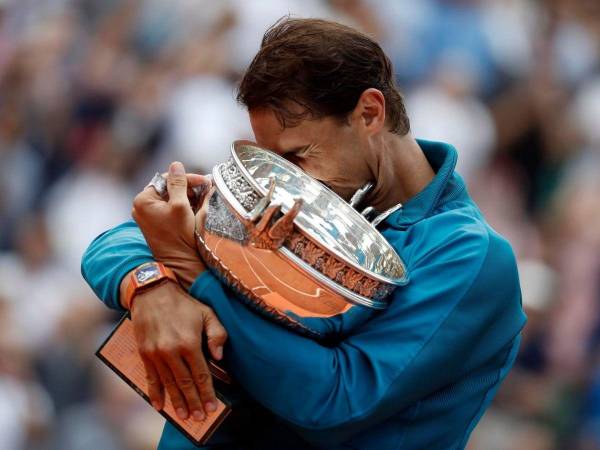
338	287
356	216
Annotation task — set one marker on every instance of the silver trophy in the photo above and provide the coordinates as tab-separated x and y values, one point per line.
286	243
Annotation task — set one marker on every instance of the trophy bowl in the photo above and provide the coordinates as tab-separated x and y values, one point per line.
330	258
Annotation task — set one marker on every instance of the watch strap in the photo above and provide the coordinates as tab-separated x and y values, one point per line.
147	275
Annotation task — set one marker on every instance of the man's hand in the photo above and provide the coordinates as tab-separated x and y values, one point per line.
168	226
169	326
168	323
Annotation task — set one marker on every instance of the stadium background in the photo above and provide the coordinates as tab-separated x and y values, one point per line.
95	96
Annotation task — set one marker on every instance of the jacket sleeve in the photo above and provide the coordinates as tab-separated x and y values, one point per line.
434	330
111	256
451	317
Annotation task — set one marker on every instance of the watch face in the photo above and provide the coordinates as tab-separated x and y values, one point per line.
146	274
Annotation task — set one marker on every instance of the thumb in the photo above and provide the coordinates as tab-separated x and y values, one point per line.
177	184
215	334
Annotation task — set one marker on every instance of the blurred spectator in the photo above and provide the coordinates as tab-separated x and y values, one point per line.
40	289
198	135
446	108
26	410
113	417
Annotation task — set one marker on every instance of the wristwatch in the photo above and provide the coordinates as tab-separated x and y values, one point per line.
145	276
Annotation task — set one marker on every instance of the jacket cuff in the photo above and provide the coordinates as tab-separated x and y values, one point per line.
120	273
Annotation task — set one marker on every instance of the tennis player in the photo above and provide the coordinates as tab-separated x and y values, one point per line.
418	375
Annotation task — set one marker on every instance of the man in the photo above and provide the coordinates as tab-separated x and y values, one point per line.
418	375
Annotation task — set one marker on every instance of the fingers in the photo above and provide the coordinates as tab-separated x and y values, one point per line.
215	334
202	379
186	378
144	198
193	179
177	185
168	380
197	186
155	388
187	383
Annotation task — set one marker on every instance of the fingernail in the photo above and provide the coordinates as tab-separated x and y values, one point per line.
177	168
198	416
181	413
210	406
156	406
219	352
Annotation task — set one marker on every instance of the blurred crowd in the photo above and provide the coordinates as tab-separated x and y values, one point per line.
97	95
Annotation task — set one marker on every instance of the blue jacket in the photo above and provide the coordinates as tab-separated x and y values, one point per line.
418	375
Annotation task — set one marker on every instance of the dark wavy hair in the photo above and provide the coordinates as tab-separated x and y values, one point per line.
322	66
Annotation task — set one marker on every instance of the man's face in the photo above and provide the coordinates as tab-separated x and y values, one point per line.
324	148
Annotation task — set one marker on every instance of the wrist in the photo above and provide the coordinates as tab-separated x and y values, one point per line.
138	296
186	271
144	277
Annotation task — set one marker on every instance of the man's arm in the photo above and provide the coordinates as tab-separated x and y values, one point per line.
443	323
447	321
110	257
171	352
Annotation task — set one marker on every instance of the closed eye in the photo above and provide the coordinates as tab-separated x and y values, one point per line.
303	152
295	154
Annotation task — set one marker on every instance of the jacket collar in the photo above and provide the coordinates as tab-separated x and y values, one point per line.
446	185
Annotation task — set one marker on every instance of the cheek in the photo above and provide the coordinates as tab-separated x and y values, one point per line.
318	167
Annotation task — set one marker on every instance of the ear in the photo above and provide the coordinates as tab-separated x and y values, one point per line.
370	111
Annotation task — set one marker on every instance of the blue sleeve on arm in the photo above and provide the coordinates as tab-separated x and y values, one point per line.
445	321
111	256
461	306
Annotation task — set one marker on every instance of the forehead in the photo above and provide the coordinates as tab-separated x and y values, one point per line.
267	129
270	133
